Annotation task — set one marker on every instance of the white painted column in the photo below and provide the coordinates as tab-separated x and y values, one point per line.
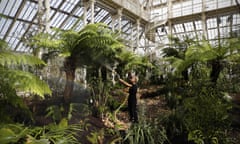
138	33
92	3
40	15
119	14
169	12
114	18
85	8
132	38
47	19
204	20
170	16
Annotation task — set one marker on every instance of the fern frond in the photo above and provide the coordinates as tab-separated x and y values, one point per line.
24	81
3	45
10	58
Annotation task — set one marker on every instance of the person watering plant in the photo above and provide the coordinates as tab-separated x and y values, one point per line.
132	98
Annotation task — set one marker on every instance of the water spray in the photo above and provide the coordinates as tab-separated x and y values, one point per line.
114	73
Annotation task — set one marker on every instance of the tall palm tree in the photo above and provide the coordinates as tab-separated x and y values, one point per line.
93	44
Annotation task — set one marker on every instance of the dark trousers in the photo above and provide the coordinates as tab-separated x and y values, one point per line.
132	109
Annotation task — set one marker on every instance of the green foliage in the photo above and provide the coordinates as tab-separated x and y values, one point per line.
92	43
128	61
56	134
13	80
55	112
140	134
24	81
203	53
96	137
207	112
196	136
146	131
8	58
18	79
202	113
61	133
173	122
9	101
99	96
12	133
174	91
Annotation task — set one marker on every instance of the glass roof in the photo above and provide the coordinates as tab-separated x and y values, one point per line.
19	19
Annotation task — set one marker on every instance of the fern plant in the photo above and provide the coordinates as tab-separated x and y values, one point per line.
19	79
206	114
14	79
205	53
93	45
52	133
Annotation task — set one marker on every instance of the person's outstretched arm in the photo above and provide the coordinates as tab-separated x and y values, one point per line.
124	82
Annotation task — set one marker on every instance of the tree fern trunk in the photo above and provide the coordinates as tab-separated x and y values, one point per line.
185	75
70	76
216	69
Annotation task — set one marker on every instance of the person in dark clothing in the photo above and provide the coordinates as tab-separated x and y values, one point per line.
132	98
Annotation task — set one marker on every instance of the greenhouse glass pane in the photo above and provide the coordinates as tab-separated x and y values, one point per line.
179	28
78	11
212	23
224	3
15	8
55	3
186	8
29	11
236	19
210	5
189	26
176	10
58	19
5	25
69	23
223	21
67	6
7	6
212	33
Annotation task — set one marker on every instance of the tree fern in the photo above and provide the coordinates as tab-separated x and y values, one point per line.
204	52
93	45
17	79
